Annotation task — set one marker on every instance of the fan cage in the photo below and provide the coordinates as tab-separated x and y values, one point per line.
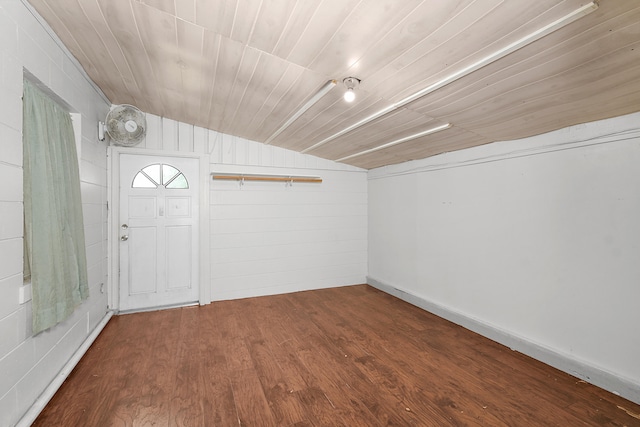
117	121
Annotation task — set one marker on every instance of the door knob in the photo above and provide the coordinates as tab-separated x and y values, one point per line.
124	238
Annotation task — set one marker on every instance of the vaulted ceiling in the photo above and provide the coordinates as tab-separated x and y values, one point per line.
246	67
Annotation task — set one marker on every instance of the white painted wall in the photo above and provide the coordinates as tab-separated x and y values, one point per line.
534	242
266	237
28	363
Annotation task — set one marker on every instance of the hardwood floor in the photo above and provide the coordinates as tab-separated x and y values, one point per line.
350	356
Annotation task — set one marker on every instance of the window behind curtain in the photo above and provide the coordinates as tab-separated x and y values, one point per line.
55	255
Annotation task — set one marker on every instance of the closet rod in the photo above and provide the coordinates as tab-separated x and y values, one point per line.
275	178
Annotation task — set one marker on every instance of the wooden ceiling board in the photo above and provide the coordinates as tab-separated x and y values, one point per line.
227	67
448	140
265	74
186	10
305	140
158	33
268	72
367	24
301	14
167	6
244	20
191	61
571	106
595	78
531	64
321	114
422	22
245	67
393	126
262	123
244	79
216	16
122	69
327	19
389	72
211	45
328	116
436	149
351	114
271	22
123	27
516	98
468	47
296	95
574	113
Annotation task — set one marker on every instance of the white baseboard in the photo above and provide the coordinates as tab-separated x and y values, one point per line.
37	407
591	374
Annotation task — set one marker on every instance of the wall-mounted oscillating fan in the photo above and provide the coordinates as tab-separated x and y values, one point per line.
126	125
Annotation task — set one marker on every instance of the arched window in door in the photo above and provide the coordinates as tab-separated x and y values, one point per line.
159	174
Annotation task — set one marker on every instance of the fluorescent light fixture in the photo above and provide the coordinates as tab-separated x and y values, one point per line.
315	98
518	44
397	141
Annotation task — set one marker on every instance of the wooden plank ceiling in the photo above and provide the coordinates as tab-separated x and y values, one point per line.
244	67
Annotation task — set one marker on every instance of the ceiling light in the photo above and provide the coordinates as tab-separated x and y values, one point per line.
349	95
315	98
518	44
397	141
351	83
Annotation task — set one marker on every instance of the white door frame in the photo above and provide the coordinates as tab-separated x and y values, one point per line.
113	200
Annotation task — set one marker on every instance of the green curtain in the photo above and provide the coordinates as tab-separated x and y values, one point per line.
54	231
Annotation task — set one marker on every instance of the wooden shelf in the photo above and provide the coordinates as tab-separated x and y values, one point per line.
274	178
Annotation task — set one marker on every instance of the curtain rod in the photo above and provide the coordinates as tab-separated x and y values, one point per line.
273	178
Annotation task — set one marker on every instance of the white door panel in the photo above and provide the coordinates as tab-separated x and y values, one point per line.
179	257
159	231
142	261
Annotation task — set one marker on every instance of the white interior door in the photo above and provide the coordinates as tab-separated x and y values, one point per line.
158	231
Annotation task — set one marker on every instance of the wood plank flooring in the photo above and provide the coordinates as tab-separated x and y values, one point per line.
350	356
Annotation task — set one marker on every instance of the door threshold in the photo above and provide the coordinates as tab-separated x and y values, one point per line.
158	308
